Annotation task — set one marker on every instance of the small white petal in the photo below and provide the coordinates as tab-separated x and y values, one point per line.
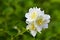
43	12
46	21
27	27
46	16
33	33
28	21
30	10
27	15
39	28
45	26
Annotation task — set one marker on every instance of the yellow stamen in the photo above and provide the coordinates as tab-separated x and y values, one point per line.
39	21
33	15
32	27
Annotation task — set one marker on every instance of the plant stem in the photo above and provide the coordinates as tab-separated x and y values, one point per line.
11	37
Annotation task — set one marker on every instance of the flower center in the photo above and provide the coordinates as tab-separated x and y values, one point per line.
33	15
39	21
32	27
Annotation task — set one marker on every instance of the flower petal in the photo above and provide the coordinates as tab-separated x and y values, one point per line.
45	26
33	33
46	16
27	15
30	10
28	21
46	21
27	27
39	28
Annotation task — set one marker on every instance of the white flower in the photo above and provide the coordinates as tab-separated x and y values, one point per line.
36	20
42	21
33	14
33	30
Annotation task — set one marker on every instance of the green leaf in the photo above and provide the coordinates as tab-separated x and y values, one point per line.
12	32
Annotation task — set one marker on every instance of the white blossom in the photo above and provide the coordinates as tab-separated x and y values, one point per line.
36	20
33	14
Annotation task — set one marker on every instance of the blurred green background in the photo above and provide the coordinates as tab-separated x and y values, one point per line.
12	15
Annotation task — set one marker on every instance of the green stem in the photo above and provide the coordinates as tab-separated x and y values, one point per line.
11	37
19	33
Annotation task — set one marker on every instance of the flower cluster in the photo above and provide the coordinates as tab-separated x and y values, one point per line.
36	20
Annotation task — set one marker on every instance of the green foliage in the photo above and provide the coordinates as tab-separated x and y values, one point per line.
12	13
